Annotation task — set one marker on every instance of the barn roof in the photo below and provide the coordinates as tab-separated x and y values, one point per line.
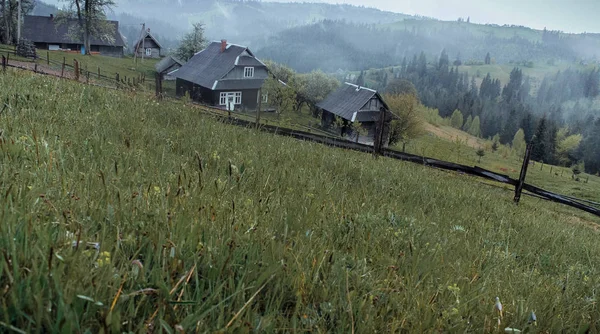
210	65
147	34
348	100
167	63
46	29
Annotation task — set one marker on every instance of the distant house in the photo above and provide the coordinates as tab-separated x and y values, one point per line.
224	75
47	34
355	104
148	46
168	66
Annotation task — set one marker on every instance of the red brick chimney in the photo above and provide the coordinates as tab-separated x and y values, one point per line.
223	45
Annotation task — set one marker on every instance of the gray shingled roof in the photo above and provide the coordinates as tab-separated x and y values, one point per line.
147	34
210	64
167	63
45	29
349	99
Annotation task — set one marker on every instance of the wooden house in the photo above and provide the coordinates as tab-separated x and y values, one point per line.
168	66
148	46
225	75
50	34
355	104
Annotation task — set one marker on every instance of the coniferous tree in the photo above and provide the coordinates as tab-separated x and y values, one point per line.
360	81
538	152
475	128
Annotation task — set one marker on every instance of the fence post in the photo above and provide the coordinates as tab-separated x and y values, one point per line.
48	58
3	64
76	69
259	107
378	140
98	72
117	79
35	68
519	186
159	86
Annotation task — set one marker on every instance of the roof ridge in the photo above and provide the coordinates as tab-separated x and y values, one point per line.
360	87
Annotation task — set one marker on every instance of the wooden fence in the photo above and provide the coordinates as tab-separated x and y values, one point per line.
422	160
102	78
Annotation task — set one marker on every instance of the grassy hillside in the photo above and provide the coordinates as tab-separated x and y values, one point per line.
450	144
204	226
109	66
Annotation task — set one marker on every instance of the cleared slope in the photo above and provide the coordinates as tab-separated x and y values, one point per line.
240	229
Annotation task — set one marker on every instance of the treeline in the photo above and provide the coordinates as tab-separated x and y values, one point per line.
506	113
334	45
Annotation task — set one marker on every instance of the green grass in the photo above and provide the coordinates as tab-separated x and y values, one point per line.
109	66
504	161
243	231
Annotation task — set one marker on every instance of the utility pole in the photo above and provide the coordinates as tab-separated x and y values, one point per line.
137	46
18	21
143	41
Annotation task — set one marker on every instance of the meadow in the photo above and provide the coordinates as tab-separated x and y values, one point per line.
122	214
126	66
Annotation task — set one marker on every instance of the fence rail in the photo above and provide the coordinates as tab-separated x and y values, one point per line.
115	79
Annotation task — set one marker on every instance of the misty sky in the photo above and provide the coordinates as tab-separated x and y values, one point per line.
566	15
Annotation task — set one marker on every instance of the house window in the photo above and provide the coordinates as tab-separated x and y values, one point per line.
235	96
265	97
248	72
148	52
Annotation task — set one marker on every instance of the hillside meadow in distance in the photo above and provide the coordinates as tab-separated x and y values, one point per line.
131	199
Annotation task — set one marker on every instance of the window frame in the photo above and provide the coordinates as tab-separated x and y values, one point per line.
224	96
248	72
148	51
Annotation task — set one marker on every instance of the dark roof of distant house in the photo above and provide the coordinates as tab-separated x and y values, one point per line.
167	63
45	29
208	66
147	34
349	99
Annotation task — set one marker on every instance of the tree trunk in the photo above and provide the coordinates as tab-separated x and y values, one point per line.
88	26
82	23
6	14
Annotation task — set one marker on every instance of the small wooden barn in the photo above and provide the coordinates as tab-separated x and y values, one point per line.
168	66
355	104
148	46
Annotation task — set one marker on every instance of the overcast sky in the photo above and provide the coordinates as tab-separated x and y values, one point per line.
566	15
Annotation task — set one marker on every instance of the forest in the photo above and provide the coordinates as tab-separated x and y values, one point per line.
333	45
561	117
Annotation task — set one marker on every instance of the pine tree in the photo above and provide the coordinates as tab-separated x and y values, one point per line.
475	128
488	59
468	123
538	152
360	81
456	120
518	142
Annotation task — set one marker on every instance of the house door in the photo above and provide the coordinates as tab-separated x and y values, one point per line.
231	102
